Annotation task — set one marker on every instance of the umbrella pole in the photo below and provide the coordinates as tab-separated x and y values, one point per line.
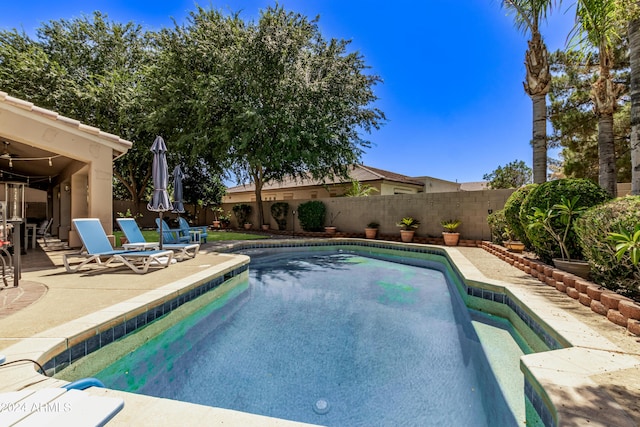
161	234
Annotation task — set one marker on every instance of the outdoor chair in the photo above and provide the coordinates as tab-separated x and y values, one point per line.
136	241
6	255
187	229
97	248
172	235
44	230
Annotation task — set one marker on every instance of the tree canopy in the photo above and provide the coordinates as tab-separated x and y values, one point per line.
512	175
257	101
270	99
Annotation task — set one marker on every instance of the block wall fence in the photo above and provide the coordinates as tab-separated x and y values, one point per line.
352	214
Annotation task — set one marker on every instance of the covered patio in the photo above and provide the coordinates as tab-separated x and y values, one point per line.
67	166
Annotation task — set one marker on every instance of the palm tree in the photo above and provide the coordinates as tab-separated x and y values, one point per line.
634	48
597	29
529	14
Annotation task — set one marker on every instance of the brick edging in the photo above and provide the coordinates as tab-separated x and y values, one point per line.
618	309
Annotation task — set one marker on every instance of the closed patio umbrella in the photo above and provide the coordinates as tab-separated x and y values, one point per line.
160	200
178	205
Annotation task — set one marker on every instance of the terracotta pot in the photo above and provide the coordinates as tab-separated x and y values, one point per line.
247	226
330	230
573	266
514	246
216	224
451	239
370	233
265	227
407	235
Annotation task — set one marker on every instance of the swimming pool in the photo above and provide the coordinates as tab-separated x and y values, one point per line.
383	367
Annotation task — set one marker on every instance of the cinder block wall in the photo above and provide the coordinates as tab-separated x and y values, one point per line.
352	214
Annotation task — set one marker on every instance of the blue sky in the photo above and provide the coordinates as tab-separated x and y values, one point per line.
452	71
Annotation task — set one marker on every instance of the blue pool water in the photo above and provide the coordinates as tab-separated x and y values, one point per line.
336	339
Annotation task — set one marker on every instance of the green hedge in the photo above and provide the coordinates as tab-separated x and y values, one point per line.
545	196
593	230
512	213
311	215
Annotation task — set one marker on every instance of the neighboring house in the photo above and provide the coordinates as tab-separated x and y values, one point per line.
474	186
386	182
70	161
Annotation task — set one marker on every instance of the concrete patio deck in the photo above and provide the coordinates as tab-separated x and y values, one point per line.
48	297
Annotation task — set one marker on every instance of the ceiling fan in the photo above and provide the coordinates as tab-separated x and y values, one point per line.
6	155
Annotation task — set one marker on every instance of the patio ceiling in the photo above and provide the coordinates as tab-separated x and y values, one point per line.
42	147
23	162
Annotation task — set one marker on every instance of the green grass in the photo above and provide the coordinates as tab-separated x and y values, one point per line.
154	236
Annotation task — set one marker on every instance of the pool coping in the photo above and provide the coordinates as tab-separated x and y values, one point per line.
557	380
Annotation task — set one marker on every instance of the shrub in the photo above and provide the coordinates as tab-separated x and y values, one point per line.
498	226
311	215
279	212
545	196
512	213
593	230
242	212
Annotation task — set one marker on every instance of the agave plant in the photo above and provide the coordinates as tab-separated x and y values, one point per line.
408	223
450	225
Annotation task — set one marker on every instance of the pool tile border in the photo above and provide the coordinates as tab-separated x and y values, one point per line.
124	325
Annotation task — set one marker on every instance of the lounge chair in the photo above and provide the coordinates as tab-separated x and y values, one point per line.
97	248
136	241
172	235
187	229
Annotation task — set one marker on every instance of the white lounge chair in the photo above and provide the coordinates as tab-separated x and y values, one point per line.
136	241
97	248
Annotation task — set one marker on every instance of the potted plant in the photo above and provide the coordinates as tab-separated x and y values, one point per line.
450	235
557	221
371	230
217	211
510	243
225	219
331	229
408	227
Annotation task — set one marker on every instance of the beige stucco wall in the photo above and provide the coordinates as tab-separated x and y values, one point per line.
384	188
433	185
89	177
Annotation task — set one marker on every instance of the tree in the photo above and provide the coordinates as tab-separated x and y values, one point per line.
596	28
90	69
528	15
631	9
359	189
297	103
512	175
574	126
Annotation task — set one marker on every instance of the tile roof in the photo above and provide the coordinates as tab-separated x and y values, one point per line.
123	144
360	173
